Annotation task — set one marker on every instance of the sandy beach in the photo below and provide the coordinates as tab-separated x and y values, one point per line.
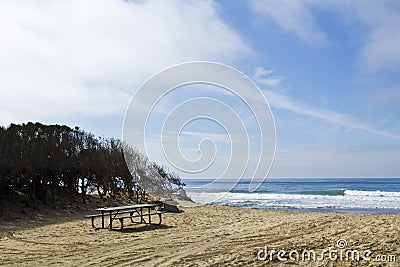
204	235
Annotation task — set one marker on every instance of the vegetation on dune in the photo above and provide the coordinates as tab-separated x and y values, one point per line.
39	161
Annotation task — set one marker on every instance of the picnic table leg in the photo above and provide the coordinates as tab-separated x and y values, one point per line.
141	216
102	219
111	220
159	216
149	215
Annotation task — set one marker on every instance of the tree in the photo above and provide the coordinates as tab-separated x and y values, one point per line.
39	161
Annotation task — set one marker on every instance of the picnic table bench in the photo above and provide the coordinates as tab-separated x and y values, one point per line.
127	212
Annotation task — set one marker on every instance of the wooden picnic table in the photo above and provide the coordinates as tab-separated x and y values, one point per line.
120	213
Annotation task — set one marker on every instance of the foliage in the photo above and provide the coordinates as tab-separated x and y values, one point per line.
39	160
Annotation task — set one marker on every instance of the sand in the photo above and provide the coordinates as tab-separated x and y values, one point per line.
202	235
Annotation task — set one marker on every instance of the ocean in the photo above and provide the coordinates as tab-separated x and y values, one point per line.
361	195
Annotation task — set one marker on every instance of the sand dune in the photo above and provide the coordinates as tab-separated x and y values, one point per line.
203	236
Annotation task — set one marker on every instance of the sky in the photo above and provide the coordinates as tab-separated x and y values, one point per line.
328	69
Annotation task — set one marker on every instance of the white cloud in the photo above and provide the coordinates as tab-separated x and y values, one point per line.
263	76
375	23
261	72
336	118
67	59
285	102
291	16
382	46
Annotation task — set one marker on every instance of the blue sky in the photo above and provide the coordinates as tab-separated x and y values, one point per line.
329	70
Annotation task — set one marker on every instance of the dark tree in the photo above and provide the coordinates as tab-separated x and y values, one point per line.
38	161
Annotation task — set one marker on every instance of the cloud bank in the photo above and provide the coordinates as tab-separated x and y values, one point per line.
374	22
68	59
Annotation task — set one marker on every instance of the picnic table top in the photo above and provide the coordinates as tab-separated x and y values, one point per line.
127	207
